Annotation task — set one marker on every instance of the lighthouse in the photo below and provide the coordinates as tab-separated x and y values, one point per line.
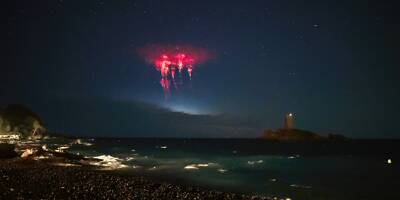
288	121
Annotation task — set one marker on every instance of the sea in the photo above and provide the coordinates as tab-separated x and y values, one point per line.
356	169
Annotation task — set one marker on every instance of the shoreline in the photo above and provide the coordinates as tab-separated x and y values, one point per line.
48	170
31	179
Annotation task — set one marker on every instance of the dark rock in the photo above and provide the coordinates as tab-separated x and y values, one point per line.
291	134
7	151
299	135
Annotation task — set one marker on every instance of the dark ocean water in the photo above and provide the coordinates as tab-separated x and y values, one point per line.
295	170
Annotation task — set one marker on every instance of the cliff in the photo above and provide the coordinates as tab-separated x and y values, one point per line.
20	120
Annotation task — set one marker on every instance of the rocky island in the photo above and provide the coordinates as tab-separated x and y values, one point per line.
291	134
288	133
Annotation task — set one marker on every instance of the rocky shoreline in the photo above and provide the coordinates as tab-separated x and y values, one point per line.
41	179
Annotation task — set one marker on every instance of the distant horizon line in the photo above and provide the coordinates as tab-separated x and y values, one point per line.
197	138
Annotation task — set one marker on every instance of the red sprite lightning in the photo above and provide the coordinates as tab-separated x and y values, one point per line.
169	58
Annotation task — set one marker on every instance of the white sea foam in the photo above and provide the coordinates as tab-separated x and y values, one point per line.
41	157
300	186
222	170
130	158
200	165
44	147
255	162
293	157
109	162
81	142
191	167
27	153
62	148
153	168
66	164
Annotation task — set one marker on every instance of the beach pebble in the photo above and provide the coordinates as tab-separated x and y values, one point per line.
30	178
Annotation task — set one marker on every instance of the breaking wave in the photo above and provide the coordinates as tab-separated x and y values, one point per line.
109	162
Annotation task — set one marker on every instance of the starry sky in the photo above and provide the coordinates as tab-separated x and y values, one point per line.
334	64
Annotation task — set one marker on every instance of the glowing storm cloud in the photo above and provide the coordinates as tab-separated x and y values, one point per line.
170	59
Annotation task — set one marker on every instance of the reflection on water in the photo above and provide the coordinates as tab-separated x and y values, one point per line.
251	166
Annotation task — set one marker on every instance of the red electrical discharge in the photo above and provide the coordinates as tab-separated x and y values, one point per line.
169	59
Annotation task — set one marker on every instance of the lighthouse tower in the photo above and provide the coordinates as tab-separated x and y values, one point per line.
289	118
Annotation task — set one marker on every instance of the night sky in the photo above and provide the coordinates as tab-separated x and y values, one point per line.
334	64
